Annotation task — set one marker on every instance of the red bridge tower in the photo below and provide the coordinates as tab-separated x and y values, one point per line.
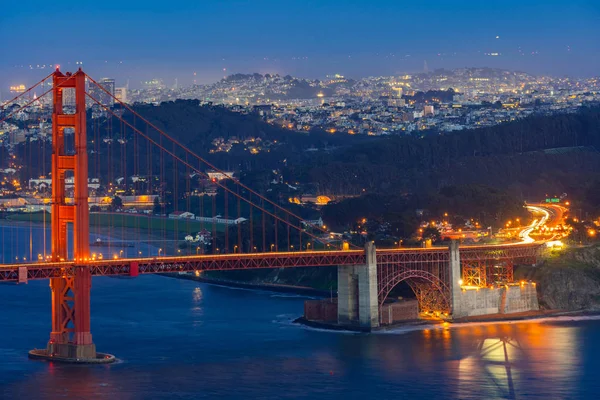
70	337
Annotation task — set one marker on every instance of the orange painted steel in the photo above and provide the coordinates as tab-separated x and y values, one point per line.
404	256
70	288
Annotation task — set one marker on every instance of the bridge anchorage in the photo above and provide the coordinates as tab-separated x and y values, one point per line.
453	282
448	283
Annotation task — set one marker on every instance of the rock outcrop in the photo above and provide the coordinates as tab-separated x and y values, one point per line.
567	281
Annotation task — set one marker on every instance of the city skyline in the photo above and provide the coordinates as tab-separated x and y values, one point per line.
146	40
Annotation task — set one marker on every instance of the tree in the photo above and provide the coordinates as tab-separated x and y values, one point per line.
432	233
116	203
157	207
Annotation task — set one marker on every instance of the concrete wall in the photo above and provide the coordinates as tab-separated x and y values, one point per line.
321	310
406	310
521	298
503	300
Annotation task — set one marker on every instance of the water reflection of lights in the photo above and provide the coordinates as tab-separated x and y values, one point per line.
507	356
197	296
492	368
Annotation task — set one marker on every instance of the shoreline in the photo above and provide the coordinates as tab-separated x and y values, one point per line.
122	233
528	316
119	234
269	287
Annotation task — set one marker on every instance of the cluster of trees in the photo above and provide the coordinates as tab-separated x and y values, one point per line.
548	152
396	212
528	158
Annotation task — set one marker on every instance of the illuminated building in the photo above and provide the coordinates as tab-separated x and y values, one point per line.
121	94
102	96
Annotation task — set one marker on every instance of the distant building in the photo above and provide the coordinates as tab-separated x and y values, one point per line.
106	99
219	220
219	176
428	110
121	94
40	184
181	215
314	222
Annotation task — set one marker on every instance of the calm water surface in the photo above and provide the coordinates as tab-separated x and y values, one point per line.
182	339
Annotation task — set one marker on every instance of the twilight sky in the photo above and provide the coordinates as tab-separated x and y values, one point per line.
138	40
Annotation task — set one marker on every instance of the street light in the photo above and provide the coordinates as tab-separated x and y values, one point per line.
159	250
272	245
235	248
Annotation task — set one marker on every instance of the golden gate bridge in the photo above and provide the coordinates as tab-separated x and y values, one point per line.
274	237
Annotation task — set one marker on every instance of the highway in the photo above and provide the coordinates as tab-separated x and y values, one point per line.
551	215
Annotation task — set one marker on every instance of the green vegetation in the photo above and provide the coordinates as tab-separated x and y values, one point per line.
490	206
510	156
148	223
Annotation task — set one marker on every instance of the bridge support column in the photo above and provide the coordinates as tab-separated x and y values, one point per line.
357	293
455	279
347	295
70	338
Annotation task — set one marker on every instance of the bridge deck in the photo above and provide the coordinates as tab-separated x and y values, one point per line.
135	266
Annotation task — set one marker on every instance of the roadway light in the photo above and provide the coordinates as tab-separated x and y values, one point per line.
592	232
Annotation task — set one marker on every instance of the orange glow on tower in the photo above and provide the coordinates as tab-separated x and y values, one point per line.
70	336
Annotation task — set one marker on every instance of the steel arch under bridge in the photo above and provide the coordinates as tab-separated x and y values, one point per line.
428	271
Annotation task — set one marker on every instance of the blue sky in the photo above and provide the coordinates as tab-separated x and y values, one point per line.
138	40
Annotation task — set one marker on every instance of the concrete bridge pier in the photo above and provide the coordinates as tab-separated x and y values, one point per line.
455	281
357	292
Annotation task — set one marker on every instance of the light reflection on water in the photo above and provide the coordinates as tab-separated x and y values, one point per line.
507	357
178	338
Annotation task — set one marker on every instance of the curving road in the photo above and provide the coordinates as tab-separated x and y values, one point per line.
551	215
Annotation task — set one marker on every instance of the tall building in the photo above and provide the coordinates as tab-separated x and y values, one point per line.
121	94
109	86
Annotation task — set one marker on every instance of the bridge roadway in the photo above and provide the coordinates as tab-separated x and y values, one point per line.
135	266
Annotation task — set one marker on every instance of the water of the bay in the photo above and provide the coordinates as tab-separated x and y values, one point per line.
182	339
